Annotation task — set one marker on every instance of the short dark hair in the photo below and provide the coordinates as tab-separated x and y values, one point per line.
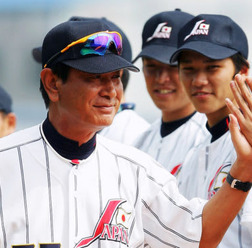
239	62
3	114
61	71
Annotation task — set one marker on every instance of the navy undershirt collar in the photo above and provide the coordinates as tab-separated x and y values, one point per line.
169	127
219	129
67	148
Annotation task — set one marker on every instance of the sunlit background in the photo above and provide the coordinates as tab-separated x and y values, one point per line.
24	23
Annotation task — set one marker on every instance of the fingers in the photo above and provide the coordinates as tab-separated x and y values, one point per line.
235	110
242	93
235	132
242	146
249	82
242	113
233	125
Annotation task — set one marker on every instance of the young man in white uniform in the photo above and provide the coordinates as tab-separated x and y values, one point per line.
170	137
64	185
212	49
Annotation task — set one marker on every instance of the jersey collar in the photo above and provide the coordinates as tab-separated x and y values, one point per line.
219	129
169	127
65	147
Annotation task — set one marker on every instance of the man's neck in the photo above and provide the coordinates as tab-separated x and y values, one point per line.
67	148
177	114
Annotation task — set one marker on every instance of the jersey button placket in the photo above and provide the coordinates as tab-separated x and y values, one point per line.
73	203
159	148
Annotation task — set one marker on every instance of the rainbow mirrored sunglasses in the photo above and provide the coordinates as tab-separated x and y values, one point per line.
96	43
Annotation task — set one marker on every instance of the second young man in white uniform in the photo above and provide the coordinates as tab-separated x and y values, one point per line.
212	49
180	127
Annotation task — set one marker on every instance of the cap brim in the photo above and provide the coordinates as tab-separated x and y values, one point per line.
101	64
161	53
210	50
37	54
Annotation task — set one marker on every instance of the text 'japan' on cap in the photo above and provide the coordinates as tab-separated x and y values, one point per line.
214	36
160	35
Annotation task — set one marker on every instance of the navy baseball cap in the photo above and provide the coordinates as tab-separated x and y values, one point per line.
126	52
68	32
159	36
214	36
5	101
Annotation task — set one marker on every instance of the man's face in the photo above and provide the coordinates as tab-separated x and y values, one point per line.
87	100
165	88
207	82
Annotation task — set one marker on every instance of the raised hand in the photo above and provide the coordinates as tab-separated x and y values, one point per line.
241	88
241	123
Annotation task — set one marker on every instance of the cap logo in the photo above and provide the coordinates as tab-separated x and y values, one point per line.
200	28
162	31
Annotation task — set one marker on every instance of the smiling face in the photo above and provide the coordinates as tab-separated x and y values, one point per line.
165	89
207	83
84	103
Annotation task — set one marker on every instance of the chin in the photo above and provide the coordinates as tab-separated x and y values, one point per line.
106	122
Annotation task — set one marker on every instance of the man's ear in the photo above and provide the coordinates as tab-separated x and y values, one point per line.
244	70
49	80
12	122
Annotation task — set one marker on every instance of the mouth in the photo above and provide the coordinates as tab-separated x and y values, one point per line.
106	108
164	91
200	94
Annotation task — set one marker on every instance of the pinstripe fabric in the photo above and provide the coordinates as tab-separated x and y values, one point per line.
171	150
76	208
47	200
160	240
156	216
24	195
4	241
203	173
49	191
100	189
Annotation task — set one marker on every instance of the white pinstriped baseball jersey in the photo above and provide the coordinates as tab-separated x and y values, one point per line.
117	197
203	172
171	150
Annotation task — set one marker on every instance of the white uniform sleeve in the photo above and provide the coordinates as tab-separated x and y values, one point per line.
169	218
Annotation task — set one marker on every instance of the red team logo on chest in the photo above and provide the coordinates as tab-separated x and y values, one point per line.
113	225
218	180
